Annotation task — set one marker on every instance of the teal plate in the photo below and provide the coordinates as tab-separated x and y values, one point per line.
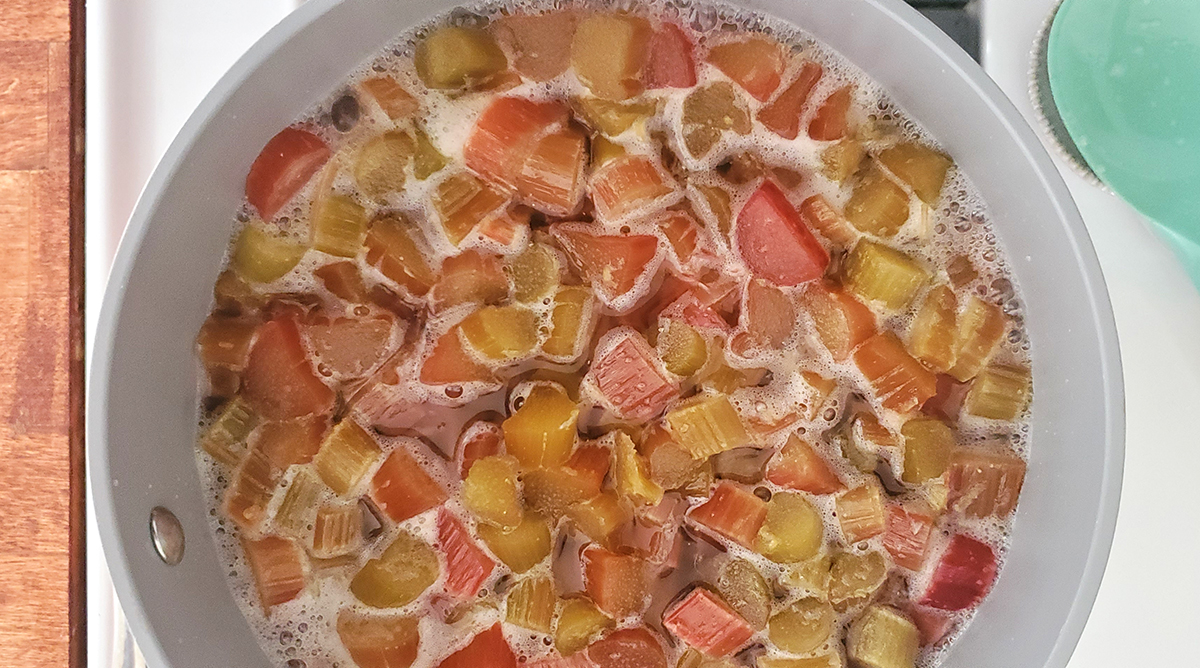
1125	76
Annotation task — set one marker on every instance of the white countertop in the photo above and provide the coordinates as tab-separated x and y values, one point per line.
150	63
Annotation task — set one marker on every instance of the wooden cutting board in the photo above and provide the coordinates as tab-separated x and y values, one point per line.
42	620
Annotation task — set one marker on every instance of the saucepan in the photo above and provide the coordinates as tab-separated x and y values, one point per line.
143	391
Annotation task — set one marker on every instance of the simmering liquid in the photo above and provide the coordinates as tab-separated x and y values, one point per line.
695	351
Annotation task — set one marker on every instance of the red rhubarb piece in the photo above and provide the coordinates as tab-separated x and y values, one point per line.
488	649
467	566
733	513
906	536
797	466
670	63
775	242
279	381
962	576
506	134
782	116
704	621
285	164
628	648
402	489
627	373
616	583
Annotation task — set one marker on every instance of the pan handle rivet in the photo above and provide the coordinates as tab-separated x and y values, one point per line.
167	535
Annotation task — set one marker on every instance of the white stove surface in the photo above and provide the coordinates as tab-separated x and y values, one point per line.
151	62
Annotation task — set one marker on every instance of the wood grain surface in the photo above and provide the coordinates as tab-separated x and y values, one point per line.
41	467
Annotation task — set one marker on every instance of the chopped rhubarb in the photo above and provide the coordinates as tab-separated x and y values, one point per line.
225	342
921	167
503	334
933	625
541	433
531	604
337	530
278	569
860	513
628	648
878	205
467	566
591	462
732	512
687	240
391	247
551	179
906	536
901	382
927	446
802	626
579	622
782	116
479	439
984	481
285	164
225	438
879	273
819	214
793	530
540	44
347	453
768	315
490	492
616	583
999	392
882	637
380	168
600	517
627	185
391	97
295	510
775	242
932	335
842	322
626	374
279	380
253	485
521	548
506	134
708	426
402	489
704	621
571	321
464	203
469	277
742	586
708	112
631	476
615	265
379	642
799	467
830	123
612	119
291	441
670	63
608	53
398	576
351	347
980	329
682	349
344	280
450	364
963	575
755	64
456	57
488	649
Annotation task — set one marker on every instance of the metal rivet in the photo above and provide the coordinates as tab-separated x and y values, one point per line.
167	535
